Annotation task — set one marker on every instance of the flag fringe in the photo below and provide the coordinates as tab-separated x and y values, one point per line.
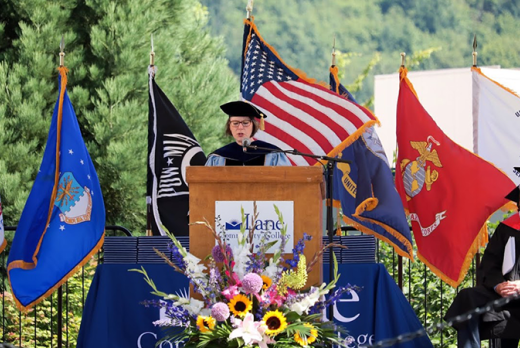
366	230
3	245
335	203
334	71
477	70
480	240
82	263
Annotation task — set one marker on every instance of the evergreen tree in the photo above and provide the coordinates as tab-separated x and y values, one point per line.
107	50
28	91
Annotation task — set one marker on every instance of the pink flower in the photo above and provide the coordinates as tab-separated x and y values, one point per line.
252	283
230	292
220	311
251	331
273	297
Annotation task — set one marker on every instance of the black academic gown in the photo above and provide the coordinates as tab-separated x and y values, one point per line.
235	155
505	321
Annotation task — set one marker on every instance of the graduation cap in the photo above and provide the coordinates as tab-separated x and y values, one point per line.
514	195
242	108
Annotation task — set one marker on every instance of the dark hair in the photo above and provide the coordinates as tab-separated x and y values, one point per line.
255	127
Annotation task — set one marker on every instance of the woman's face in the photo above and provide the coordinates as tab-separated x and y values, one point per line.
241	128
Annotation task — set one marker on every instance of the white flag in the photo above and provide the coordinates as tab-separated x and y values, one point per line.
2	237
496	121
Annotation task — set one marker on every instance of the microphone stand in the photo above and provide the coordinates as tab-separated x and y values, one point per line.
331	161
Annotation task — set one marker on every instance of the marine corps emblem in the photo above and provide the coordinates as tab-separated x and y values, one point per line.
417	174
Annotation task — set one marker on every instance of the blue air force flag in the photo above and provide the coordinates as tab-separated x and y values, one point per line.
62	224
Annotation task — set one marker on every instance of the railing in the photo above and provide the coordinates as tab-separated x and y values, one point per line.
40	327
55	321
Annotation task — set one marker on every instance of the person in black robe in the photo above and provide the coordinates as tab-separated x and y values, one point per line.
242	125
498	276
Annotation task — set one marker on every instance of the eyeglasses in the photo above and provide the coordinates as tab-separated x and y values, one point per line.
245	124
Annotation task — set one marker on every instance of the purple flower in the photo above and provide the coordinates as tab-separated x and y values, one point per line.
252	283
220	311
218	254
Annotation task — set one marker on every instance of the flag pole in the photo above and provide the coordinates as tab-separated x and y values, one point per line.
475	50
62	54
152	53
148	199
59	299
403	59
249	9
334	51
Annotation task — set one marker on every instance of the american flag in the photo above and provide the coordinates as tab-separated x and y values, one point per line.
302	115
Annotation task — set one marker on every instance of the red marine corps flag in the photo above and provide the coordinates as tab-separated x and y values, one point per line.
448	191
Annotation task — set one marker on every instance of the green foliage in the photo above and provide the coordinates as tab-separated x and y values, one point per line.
107	45
303	32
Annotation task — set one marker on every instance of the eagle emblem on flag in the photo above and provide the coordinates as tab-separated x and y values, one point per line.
416	173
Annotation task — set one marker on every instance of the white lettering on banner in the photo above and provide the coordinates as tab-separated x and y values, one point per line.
337	314
427	230
141	336
164	343
361	341
267	224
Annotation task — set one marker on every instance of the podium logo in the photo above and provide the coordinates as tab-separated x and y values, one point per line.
233	225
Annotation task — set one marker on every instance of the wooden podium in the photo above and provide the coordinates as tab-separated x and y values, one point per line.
302	185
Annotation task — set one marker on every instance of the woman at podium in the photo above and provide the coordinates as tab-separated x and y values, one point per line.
242	125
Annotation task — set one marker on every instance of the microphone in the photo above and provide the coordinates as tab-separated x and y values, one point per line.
245	144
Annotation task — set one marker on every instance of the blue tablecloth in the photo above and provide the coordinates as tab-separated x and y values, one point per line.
114	317
378	311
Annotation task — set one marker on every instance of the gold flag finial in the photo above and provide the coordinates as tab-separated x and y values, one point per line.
152	53
249	9
475	50
403	59
62	53
334	51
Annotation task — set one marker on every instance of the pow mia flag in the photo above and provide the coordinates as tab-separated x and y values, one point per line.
171	148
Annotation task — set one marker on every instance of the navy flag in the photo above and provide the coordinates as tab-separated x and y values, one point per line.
365	187
62	224
171	148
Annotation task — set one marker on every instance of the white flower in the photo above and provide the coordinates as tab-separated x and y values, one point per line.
247	329
307	302
194	306
241	257
271	270
193	268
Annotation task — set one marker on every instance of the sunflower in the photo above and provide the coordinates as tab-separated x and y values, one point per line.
306	340
205	324
240	305
267	282
275	322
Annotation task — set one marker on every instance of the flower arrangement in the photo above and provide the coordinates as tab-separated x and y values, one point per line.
247	301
